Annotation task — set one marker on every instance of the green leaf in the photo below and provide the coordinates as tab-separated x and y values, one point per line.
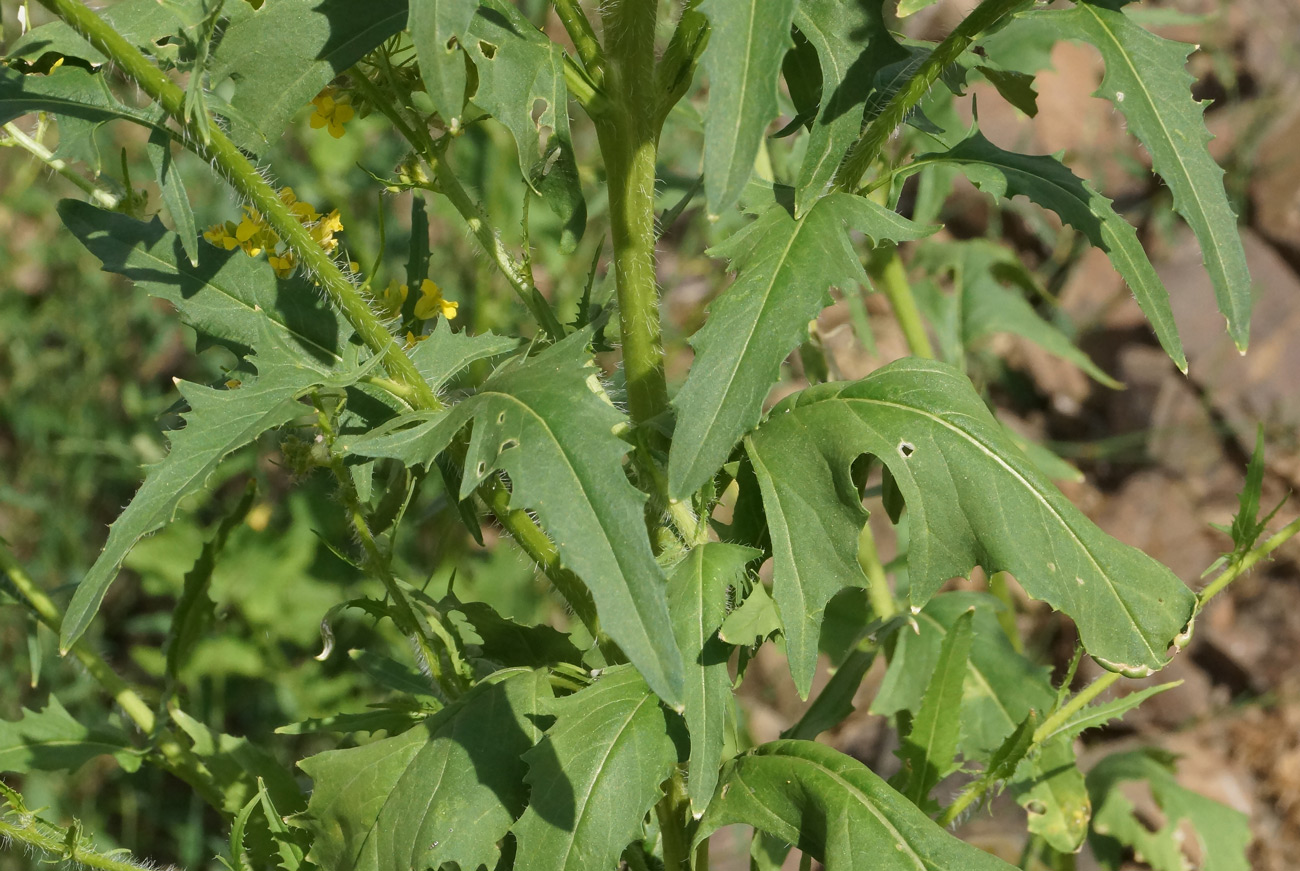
445	791
239	767
436	28
281	55
785	268
981	305
836	810
748	39
595	775
1222	833
1096	715
1050	183
218	422
229	298
835	701
539	421
83	103
911	7
697	602
753	621
1147	81
53	740
392	674
443	354
930	748
513	644
1015	87
193	616
853	45
518	66
1049	786
174	196
972	498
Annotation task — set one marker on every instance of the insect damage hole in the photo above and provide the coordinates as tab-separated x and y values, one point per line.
906	449
489	50
508	444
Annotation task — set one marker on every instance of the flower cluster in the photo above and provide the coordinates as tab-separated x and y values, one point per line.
253	235
430	304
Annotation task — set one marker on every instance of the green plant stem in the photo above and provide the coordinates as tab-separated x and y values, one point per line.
230	162
452	683
673	811
1007	616
54	843
878	592
176	758
584	38
891	276
20	139
1246	563
226	157
446	183
628	136
867	149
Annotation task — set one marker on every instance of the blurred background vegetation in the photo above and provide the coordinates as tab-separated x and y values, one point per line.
86	396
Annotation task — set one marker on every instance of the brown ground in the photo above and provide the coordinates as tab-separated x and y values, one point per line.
1236	718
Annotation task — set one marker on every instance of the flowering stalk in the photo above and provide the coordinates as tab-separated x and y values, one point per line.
226	157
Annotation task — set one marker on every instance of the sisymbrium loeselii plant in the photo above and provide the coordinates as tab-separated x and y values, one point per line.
682	522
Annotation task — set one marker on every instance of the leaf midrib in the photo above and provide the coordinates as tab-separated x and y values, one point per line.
1028	485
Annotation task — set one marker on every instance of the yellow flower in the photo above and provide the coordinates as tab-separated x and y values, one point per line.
412	339
283	264
253	234
222	236
301	210
431	303
330	111
394	298
323	231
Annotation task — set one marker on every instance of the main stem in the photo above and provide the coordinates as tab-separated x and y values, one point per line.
629	138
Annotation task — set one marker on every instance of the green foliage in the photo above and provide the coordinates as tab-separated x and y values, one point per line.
1222	834
834	809
468	719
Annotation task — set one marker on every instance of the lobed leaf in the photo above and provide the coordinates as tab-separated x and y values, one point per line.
836	810
595	775
972	498
747	41
517	67
1147	82
1222	833
539	421
281	55
785	267
54	740
445	791
1047	181
436	27
1049	786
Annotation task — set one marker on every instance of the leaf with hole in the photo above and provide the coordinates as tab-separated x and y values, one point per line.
972	499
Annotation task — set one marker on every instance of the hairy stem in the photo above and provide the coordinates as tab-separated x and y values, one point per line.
629	136
867	149
226	157
584	38
54	843
1246	563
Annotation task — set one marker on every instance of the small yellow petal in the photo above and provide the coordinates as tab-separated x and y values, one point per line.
449	309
